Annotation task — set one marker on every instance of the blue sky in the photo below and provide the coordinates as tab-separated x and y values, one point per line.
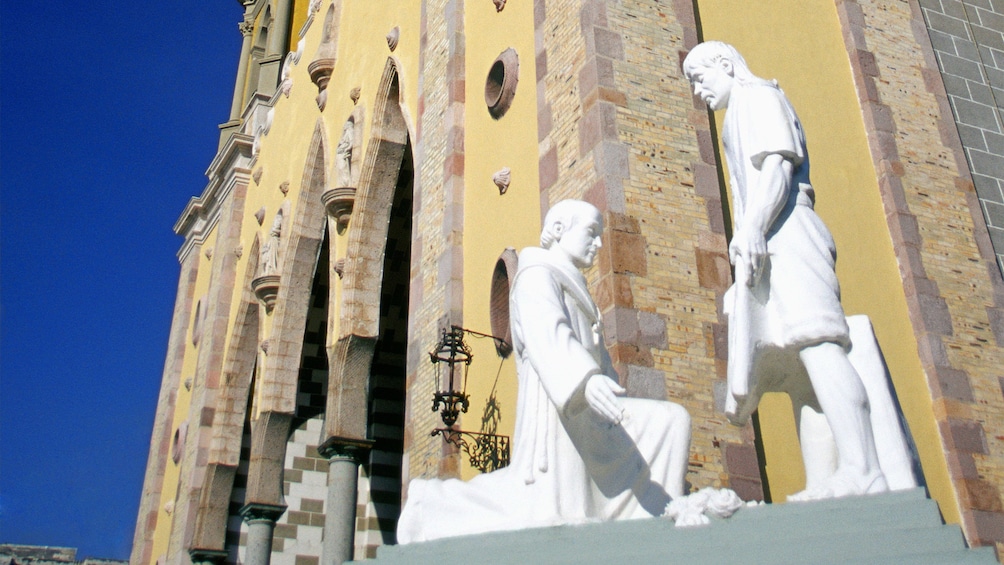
108	115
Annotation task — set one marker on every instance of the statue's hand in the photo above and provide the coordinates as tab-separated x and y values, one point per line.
748	250
601	394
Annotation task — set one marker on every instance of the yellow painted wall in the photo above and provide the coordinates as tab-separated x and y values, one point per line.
362	56
493	222
799	42
183	399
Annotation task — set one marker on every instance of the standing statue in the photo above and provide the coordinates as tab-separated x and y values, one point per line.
784	307
581	450
343	155
270	250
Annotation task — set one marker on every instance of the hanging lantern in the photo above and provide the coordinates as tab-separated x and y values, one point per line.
452	359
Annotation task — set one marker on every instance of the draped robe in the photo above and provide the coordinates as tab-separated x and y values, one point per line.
568	465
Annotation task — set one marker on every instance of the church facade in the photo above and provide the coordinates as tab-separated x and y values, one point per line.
383	160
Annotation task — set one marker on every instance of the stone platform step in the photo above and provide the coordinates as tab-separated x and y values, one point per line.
903	527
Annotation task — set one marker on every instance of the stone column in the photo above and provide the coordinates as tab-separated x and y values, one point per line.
237	105
278	37
261	523
278	44
340	511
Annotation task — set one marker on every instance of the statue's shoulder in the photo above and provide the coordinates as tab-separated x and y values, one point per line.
534	259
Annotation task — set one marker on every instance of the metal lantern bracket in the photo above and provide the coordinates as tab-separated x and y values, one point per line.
487	452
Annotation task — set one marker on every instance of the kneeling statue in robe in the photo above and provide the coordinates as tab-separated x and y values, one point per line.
582	452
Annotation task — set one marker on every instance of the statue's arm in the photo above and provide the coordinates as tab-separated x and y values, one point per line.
550	345
764	202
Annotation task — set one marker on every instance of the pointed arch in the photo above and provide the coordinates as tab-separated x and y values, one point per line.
351	354
228	419
302	236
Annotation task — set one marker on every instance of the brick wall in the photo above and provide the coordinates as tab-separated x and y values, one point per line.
619	128
968	40
954	291
436	294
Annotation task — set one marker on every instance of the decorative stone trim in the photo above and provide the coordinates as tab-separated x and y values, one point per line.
178	443
501	179
393	37
354	95
338	203
499	5
255	512
266	289
498	309
500	86
197	319
345	448
207	556
260	215
323	65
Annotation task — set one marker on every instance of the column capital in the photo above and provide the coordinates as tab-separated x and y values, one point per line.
345	448
209	556
254	512
245	27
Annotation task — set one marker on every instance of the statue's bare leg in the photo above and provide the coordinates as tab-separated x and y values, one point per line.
844	402
819	451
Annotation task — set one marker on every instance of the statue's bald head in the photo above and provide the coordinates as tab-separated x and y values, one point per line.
710	53
563	216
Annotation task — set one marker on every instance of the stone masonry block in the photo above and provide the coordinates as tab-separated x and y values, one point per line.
623	326
954	384
996	317
628	253
942	42
994	142
975	114
960	67
980	494
973	138
608	43
989	526
652	329
987	187
713	270
987	164
988	37
967	50
968	436
867	61
741	460
995	213
622	222
706	180
956	86
947	24
645	382
747	489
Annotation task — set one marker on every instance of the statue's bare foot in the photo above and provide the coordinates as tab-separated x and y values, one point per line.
840	485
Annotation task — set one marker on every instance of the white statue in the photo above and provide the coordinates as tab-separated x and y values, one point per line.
343	155
787	329
270	250
581	451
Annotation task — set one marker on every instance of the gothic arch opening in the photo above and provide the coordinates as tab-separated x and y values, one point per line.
381	475
366	398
